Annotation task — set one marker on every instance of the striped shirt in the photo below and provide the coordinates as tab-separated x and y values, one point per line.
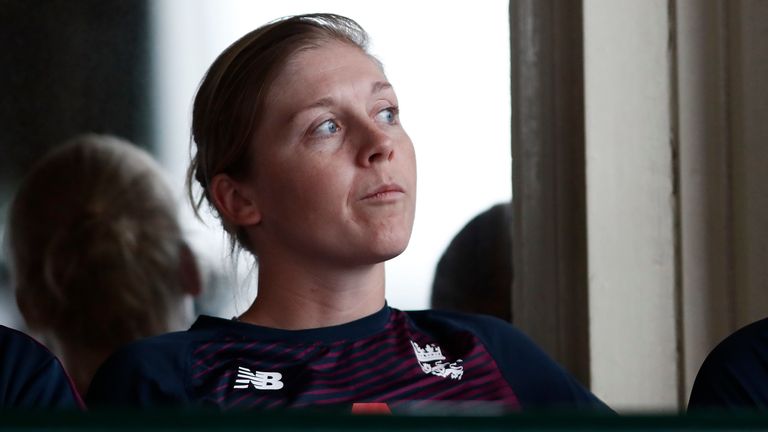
410	361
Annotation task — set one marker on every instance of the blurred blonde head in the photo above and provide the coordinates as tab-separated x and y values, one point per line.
97	256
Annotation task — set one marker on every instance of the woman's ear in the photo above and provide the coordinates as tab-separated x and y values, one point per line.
235	201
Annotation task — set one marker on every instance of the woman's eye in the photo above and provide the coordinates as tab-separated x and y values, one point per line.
387	115
326	128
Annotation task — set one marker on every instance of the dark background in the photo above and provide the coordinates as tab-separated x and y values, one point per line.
68	67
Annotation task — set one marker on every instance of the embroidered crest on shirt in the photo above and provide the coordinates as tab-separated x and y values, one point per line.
432	361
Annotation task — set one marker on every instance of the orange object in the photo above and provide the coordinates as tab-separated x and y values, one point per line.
370	408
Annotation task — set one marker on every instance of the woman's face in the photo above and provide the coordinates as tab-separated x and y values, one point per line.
335	172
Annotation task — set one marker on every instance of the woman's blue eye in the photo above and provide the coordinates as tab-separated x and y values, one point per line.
328	127
387	115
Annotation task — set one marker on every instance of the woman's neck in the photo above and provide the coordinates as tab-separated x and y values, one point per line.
81	363
299	298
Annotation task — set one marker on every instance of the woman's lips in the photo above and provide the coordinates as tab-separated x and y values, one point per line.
384	192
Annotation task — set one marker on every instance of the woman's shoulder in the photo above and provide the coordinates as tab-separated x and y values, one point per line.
478	324
745	349
154	370
15	344
499	337
537	380
32	377
745	339
734	373
170	348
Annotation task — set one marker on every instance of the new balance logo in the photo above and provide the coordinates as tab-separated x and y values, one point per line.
259	380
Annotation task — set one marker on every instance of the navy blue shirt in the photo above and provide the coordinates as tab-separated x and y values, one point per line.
407	360
735	374
31	377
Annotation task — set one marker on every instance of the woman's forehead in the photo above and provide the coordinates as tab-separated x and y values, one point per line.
325	71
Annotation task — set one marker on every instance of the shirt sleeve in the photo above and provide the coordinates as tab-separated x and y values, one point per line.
31	377
734	375
139	376
537	380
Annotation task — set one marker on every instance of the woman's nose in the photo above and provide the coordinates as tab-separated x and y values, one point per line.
376	146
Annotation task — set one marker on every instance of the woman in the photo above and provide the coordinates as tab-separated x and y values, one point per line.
734	376
301	153
97	255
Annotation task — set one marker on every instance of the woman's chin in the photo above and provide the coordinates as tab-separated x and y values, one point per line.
386	252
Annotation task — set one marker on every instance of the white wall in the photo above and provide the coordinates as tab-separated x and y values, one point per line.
677	156
630	204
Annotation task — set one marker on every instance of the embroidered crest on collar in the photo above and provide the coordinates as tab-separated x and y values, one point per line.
432	361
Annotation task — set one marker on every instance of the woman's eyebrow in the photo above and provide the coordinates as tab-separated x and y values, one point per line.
379	86
320	103
376	87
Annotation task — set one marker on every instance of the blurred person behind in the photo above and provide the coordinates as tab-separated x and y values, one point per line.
734	376
31	377
96	252
475	272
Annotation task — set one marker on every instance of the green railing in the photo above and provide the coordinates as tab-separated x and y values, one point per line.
309	421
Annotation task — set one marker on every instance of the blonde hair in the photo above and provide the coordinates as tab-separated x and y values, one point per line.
94	244
229	103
